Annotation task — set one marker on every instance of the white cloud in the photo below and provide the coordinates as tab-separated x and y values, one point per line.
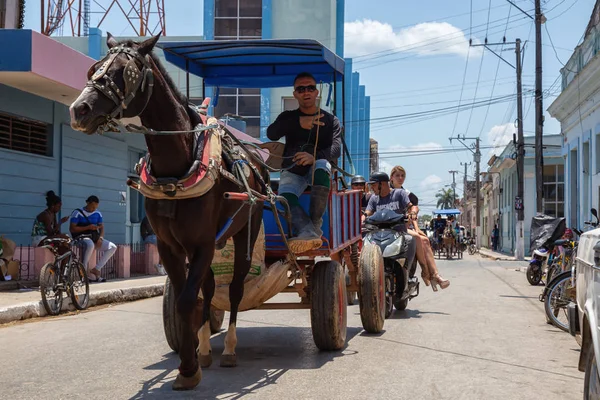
369	36
429	146
499	136
431	181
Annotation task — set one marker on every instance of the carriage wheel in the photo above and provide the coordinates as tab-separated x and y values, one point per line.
371	288
328	316
171	322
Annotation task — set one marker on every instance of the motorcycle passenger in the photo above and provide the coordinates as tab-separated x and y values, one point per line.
359	183
397	200
425	257
312	140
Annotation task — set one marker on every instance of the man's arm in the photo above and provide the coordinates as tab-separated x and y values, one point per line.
334	151
278	128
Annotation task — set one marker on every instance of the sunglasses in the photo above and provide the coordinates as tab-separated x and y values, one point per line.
309	88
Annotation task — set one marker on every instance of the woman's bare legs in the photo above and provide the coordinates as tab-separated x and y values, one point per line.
421	256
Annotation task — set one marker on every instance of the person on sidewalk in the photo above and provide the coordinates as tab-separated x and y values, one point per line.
88	221
495	236
46	224
149	237
312	141
425	257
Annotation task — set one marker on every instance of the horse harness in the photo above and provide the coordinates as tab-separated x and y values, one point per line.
134	79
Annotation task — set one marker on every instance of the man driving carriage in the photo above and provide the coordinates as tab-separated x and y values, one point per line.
312	141
439	225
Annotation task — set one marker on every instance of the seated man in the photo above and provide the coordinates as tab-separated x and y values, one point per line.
392	199
312	140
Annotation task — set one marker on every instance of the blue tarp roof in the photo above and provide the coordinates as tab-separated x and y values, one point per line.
450	211
254	63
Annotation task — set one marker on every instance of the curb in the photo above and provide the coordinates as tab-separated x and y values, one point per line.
36	309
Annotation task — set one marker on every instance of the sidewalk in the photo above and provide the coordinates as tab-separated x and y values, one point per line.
495	255
26	303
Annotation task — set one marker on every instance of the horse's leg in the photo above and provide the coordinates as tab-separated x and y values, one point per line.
241	266
208	290
190	373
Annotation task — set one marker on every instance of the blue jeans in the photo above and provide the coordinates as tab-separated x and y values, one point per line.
150	239
297	184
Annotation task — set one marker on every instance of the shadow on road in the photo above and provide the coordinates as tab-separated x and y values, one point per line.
264	355
410	314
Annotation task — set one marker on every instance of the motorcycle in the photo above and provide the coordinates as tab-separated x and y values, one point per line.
545	231
401	285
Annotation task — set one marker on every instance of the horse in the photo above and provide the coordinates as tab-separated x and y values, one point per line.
131	81
449	241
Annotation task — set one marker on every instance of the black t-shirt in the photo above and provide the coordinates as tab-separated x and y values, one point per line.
298	139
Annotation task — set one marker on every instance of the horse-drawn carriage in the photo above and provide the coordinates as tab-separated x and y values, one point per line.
226	193
449	241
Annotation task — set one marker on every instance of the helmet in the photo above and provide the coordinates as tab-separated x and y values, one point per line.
358	180
378	177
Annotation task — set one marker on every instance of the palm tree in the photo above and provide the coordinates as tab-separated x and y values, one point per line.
445	199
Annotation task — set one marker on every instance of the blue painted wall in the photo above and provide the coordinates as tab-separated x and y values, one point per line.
25	178
16	49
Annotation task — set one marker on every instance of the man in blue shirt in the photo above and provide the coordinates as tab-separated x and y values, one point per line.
88	221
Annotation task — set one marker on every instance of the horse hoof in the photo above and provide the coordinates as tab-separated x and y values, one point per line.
228	360
187	383
205	360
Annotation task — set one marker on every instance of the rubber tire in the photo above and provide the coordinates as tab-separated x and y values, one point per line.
45	274
371	288
589	369
555	281
328	314
533	280
171	322
171	318
351	296
86	302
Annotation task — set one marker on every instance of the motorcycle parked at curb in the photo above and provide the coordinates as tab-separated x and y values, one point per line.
401	285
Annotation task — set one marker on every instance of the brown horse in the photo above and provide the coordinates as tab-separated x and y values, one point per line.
130	81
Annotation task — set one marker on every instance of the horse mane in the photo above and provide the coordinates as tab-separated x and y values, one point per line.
181	98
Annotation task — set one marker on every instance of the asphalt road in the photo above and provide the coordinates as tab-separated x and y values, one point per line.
485	337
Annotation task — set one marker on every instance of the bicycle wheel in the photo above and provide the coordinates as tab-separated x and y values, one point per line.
79	286
560	294
49	287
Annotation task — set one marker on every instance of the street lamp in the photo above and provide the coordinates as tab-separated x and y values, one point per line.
499	210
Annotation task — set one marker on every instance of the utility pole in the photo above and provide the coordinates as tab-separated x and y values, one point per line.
462	221
539	112
477	160
520	247
520	250
453	187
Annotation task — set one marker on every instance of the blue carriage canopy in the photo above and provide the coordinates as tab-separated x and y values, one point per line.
449	211
254	63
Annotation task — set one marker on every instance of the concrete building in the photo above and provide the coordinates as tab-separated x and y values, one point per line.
321	20
501	191
577	110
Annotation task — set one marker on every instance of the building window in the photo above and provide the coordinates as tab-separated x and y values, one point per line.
239	20
242	102
554	190
25	135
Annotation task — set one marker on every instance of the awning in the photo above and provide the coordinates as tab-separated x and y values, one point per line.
37	64
450	211
254	63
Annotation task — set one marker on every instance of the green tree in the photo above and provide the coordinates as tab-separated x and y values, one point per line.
445	199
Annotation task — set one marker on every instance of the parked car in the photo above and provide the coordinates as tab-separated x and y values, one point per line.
584	316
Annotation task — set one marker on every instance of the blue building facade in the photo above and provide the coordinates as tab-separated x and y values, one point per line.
322	20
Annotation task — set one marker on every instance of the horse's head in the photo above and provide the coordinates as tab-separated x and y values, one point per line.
119	85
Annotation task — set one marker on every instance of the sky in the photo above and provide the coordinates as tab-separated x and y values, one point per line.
413	57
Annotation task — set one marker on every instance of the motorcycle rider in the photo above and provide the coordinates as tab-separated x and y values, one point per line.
393	199
359	183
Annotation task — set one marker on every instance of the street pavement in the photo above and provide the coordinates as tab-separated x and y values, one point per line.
485	337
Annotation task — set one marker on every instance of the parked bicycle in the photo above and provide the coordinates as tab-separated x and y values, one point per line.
64	275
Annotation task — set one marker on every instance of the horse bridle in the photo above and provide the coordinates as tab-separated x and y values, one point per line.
135	79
